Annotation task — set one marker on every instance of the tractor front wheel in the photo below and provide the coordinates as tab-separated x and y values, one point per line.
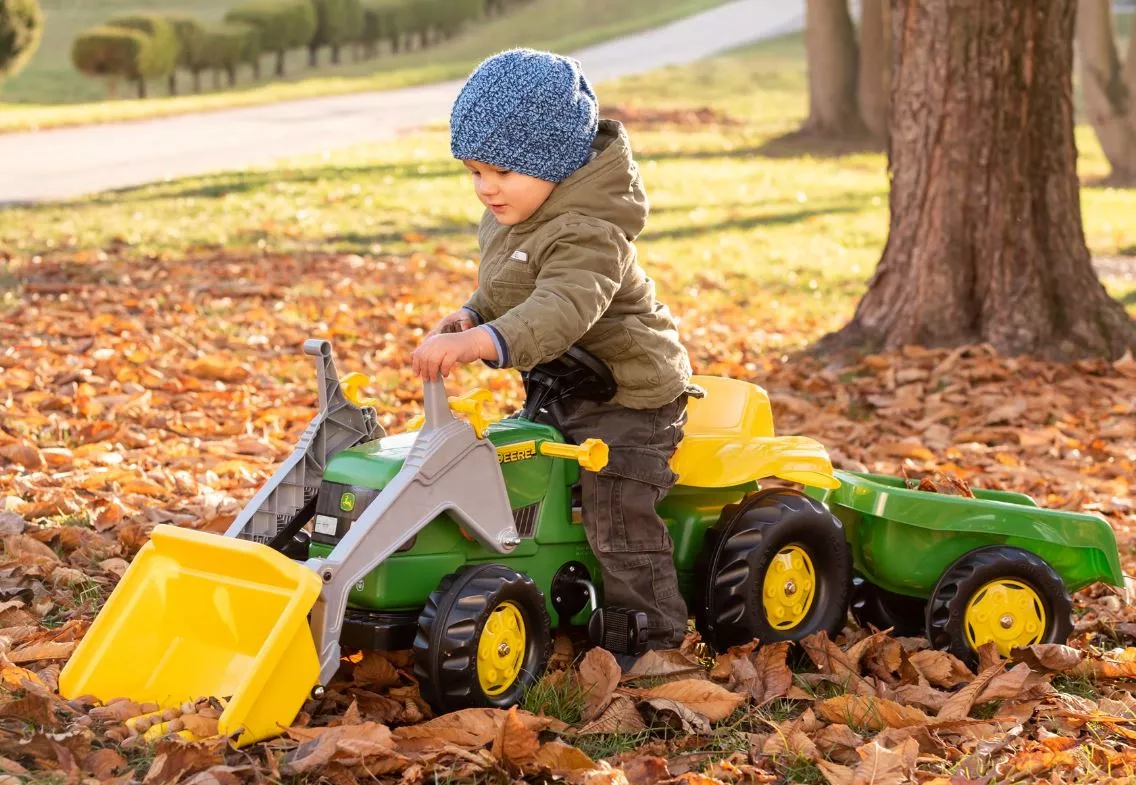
775	567
1001	594
483	638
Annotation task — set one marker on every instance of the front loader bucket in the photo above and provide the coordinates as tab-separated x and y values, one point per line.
202	615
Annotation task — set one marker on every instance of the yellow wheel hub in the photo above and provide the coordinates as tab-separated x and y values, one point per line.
1005	611
501	651
789	588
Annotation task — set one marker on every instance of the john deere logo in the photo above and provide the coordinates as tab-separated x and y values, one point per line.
347	502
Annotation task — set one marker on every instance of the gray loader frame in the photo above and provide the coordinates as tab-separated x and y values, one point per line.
448	470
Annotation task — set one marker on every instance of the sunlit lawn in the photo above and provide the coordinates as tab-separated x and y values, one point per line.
737	239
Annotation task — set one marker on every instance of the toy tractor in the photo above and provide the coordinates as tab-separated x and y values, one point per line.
463	541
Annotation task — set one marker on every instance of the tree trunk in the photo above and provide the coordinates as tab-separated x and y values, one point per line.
875	66
280	62
1110	99
196	81
216	79
232	72
173	83
313	56
986	242
335	54
141	88
830	45
255	63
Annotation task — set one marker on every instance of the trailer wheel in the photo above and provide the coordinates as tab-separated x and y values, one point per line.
883	609
483	638
775	567
1001	594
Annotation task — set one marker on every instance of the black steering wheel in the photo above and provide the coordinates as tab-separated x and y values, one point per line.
575	374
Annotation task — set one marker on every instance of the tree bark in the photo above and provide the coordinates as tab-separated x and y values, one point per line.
830	46
173	84
280	62
313	57
196	81
1110	94
874	73
986	242
141	88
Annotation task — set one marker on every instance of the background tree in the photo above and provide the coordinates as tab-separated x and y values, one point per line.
21	25
986	242
1109	90
160	58
191	42
873	77
833	55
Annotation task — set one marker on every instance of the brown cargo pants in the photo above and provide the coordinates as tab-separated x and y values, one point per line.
625	532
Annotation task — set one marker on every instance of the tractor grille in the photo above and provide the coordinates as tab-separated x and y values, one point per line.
524	520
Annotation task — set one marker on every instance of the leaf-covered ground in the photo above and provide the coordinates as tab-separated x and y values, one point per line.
151	372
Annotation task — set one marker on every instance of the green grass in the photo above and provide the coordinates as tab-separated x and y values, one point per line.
757	253
34	97
1081	686
556	696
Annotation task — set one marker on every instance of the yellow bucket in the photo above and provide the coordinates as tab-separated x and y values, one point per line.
201	615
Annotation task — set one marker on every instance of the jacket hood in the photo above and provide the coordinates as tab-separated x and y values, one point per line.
608	187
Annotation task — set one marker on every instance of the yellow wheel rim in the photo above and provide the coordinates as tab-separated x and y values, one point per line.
1005	611
789	588
501	650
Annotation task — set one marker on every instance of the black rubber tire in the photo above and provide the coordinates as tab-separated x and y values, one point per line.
907	616
730	570
957	585
450	628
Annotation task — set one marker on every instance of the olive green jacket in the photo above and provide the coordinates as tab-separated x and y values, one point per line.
569	274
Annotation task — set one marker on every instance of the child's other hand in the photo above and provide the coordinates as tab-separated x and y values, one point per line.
439	353
457	322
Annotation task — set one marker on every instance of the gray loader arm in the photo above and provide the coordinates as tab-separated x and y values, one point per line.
447	470
338	425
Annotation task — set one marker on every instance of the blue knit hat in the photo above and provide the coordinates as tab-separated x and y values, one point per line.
526	111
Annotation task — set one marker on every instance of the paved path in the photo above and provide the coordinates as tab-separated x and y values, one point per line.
68	162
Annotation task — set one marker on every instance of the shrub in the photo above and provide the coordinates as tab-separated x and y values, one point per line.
112	53
338	22
386	20
21	25
227	45
190	34
160	57
282	25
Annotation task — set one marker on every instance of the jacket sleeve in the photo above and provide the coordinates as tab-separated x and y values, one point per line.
580	272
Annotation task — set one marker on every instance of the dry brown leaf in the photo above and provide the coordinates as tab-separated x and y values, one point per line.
470	727
874	713
43	651
375	670
958	705
646	770
1010	684
1048	657
942	669
674	715
560	758
921	695
773	672
516	744
655	663
621	716
704	697
832	661
838	743
599	676
794	742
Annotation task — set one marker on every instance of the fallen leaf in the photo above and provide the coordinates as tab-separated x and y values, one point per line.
958	705
621	716
516	744
561	758
839	742
704	697
1048	657
940	668
646	770
874	713
43	651
655	663
674	715
599	676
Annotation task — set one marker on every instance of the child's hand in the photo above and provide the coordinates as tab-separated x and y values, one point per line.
439	353
457	322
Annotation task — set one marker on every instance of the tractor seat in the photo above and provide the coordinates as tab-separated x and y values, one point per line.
729	440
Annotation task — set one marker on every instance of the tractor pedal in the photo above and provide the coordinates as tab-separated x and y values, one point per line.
619	630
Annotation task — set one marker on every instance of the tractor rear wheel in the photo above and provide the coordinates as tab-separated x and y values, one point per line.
775	567
483	638
1001	594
